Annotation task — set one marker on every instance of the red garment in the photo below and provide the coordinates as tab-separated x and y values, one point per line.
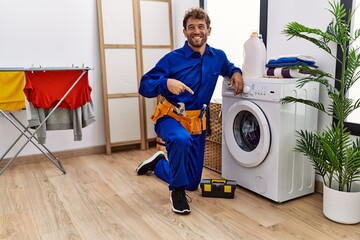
44	89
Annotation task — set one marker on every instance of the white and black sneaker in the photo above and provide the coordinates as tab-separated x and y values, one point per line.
149	164
179	201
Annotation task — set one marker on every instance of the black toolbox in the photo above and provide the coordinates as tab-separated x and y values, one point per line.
219	188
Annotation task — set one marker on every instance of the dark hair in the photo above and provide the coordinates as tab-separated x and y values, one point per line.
196	13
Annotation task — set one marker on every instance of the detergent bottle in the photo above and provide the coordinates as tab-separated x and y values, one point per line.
254	57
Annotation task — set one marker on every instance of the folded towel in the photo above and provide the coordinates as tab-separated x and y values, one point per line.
286	73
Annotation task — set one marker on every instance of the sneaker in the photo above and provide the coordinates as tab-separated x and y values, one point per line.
149	164
179	201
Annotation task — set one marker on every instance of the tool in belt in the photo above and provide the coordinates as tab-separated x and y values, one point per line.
194	121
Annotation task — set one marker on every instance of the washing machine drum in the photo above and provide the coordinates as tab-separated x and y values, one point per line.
247	133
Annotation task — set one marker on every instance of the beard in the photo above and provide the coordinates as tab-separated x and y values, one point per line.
197	42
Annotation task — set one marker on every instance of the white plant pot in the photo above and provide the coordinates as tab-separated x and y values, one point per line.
341	207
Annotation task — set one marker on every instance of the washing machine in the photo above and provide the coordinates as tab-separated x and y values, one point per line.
259	136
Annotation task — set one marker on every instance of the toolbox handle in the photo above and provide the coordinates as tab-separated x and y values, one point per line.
218	180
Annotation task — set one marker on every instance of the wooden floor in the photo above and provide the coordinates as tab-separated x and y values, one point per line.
101	197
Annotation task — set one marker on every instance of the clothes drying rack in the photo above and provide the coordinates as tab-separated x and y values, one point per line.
24	130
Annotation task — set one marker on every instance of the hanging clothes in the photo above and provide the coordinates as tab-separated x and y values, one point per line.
11	91
60	119
44	89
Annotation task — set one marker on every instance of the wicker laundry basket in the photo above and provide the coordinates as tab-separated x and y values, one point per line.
212	159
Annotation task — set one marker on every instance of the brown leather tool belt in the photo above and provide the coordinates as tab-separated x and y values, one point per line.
191	122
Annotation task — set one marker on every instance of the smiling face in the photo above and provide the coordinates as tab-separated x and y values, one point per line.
197	32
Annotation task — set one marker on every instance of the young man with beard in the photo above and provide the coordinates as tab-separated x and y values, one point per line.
185	77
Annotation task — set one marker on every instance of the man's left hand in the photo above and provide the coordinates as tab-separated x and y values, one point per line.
237	80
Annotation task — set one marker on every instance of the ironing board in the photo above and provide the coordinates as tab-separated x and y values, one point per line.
24	130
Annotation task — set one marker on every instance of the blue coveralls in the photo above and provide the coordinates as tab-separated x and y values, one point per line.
185	152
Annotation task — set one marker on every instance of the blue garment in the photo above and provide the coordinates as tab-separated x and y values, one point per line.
290	61
185	152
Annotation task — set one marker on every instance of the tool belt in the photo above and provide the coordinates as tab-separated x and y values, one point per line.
191	122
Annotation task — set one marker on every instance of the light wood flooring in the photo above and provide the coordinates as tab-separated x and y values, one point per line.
101	197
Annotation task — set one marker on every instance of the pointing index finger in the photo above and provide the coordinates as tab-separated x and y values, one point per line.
189	89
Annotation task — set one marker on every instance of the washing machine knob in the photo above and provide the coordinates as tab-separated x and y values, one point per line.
246	89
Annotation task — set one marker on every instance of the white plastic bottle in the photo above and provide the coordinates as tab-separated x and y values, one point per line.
254	57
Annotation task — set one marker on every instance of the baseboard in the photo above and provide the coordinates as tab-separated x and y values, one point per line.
318	186
35	158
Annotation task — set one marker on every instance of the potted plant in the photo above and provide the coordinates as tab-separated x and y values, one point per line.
333	152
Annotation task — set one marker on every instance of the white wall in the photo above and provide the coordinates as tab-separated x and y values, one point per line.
65	32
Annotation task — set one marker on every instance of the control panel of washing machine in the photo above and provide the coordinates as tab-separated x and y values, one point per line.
258	90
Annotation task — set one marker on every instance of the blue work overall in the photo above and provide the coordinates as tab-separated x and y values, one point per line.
200	73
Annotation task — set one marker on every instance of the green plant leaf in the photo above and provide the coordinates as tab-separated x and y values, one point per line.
295	29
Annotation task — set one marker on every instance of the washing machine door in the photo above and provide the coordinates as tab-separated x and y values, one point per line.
247	133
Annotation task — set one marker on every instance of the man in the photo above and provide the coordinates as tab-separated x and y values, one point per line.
186	78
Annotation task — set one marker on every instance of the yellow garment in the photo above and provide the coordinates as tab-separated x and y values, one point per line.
11	91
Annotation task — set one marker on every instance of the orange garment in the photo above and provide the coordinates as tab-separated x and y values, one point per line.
44	89
11	91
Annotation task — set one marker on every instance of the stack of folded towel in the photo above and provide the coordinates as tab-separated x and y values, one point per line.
280	66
